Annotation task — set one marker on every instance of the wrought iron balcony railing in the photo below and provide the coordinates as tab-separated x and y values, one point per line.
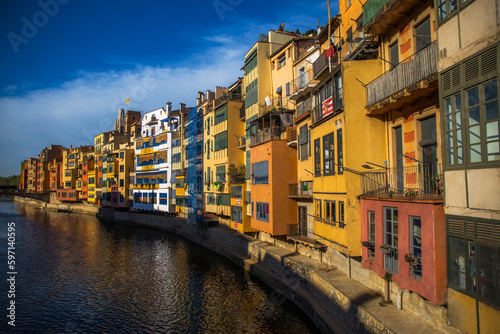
421	181
303	189
303	108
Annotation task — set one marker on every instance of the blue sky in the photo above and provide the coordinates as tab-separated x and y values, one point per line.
68	65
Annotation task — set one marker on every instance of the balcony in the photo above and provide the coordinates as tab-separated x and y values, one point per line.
303	110
242	113
242	141
381	15
419	182
230	96
291	136
302	85
303	190
412	81
321	64
272	126
275	105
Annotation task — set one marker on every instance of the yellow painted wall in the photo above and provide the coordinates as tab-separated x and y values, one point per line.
363	140
245	226
282	76
91	173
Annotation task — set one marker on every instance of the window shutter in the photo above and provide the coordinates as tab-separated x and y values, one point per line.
451	80
489	62
287	88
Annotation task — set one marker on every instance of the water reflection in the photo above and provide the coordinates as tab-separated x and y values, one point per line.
78	274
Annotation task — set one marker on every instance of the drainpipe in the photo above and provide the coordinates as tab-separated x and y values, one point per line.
387	294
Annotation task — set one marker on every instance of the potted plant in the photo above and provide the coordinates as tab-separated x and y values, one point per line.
413	261
385	249
411	194
367	244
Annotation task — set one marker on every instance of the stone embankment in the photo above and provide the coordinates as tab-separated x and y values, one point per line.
335	302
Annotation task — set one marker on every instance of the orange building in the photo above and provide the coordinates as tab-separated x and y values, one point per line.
273	164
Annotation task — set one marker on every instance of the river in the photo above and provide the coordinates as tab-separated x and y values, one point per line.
74	273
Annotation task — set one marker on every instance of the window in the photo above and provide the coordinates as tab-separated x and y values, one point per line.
260	172
221	173
251	96
391	239
223	199
303	142
447	8
328	155
340	152
122	168
341	214
317	157
251	62
71	164
483	122
317	209
371	234
121	183
423	34
176	157
262	211
282	61
338	91
471	111
416	246
210	199
220	141
330	214
122	155
236	191
237	214
287	89
221	115
394	54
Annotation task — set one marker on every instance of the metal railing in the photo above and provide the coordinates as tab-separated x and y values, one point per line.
303	107
322	62
408	72
304	189
230	96
242	141
276	103
301	81
410	182
292	135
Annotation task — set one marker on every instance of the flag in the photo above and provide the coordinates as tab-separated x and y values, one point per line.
128	98
330	52
327	106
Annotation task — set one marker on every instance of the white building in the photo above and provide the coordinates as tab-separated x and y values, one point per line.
154	181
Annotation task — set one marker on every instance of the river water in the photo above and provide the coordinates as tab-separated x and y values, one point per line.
77	274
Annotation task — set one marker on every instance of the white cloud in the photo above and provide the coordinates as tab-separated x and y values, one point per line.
77	110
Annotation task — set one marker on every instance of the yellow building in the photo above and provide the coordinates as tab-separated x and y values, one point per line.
91	186
223	128
343	138
303	52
